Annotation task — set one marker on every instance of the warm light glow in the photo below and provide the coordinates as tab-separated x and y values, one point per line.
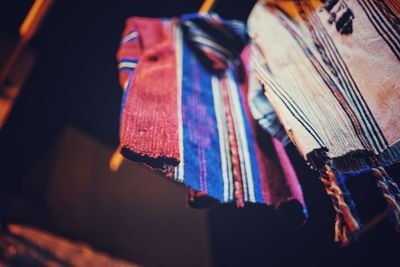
116	160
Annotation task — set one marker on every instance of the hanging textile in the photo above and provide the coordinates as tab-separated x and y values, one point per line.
184	112
331	71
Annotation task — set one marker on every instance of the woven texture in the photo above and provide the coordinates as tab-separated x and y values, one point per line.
149	123
210	137
331	90
330	70
262	110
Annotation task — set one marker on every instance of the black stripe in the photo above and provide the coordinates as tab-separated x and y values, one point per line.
389	14
341	68
384	19
350	97
304	123
365	127
375	24
278	86
365	108
328	81
296	111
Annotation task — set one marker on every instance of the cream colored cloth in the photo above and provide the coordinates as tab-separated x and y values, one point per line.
329	89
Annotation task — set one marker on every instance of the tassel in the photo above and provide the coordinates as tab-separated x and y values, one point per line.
392	184
391	194
346	221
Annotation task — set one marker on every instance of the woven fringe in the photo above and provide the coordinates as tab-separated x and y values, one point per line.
358	160
347	223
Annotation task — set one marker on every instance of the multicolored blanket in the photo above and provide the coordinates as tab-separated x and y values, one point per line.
185	112
331	71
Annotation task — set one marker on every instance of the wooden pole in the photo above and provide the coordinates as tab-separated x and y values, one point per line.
207	6
27	30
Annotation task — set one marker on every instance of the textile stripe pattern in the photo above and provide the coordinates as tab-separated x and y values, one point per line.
207	121
325	68
382	17
334	87
213	116
149	132
262	110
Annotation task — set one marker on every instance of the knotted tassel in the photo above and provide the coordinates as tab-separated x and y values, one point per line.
340	230
392	184
391	194
346	220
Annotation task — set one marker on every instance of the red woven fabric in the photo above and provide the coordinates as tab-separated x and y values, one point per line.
149	124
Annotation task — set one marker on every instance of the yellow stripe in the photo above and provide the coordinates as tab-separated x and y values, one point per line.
129	36
211	43
127	65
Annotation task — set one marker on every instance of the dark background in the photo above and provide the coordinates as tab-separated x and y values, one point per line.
75	82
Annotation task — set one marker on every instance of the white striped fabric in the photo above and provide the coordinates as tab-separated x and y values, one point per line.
331	90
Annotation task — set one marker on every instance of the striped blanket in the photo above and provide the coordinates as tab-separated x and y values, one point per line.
184	112
331	71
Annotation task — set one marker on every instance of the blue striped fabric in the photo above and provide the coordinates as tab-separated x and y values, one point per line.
129	37
199	127
127	64
206	154
251	173
218	153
